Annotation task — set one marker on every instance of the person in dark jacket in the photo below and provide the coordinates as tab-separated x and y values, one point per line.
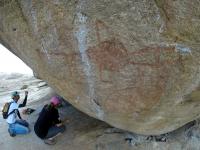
48	124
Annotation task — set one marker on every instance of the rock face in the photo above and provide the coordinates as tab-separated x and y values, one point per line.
133	64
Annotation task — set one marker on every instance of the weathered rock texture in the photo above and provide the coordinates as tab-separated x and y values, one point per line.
134	64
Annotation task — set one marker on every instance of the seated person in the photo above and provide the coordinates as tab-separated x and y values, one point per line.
16	124
48	124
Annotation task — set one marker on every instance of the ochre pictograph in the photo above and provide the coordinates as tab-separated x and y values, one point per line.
111	54
150	68
108	55
151	65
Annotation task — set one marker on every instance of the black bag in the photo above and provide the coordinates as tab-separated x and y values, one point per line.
5	110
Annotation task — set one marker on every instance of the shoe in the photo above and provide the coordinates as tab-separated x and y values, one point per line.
50	142
11	134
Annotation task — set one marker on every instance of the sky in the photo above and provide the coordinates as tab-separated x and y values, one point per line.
9	63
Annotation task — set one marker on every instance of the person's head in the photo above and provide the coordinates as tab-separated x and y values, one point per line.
55	101
15	96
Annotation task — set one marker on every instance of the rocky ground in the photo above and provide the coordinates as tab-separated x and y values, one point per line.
83	132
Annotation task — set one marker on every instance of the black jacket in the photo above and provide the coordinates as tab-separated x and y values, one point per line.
48	117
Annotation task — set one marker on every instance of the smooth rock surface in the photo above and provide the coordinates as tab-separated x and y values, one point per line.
133	64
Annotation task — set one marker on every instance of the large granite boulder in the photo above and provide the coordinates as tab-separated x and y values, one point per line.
133	64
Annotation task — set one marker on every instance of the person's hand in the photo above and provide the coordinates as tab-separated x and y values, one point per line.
26	93
59	124
67	121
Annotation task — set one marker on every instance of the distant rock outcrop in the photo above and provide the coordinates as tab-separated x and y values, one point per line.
133	64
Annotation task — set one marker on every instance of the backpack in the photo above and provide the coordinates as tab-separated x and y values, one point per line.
5	110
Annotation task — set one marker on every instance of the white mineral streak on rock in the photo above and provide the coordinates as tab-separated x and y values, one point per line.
161	28
33	13
55	34
44	48
81	35
182	49
51	40
158	17
34	18
48	16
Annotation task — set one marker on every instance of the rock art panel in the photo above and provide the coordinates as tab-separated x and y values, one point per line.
133	64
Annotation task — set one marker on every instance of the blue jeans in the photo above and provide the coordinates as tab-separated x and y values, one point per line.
19	127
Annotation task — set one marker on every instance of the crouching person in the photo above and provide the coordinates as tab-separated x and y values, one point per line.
48	125
16	124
